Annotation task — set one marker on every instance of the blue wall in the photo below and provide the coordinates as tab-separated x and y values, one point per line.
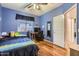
0	18
77	23
9	22
49	17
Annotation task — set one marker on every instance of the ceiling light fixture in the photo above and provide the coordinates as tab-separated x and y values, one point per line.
38	7
34	6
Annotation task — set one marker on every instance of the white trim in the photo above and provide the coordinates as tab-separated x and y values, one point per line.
70	8
48	41
74	6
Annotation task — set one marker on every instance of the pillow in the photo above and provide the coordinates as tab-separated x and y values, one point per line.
4	34
12	34
17	33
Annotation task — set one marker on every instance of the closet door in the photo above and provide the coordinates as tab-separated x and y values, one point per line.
58	30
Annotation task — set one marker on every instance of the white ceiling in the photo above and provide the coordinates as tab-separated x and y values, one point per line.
20	7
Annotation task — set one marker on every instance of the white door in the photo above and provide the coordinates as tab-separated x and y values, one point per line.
58	30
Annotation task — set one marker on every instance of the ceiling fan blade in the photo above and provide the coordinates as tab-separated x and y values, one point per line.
43	3
28	5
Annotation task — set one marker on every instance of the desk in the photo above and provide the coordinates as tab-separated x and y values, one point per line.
33	34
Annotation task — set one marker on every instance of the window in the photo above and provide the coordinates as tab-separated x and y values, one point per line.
22	28
25	26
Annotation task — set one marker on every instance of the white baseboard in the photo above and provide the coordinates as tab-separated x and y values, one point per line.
48	41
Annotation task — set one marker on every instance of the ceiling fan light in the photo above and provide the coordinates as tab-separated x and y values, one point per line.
34	6
38	7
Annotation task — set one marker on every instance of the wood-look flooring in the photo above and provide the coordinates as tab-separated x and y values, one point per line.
48	49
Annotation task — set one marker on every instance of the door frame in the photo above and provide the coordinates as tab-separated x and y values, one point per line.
70	8
74	6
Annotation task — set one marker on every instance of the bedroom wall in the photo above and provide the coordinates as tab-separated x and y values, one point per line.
49	17
0	18
78	23
9	22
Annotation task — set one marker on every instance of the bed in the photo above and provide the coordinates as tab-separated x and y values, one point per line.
18	47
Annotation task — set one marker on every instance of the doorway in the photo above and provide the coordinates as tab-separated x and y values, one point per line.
70	27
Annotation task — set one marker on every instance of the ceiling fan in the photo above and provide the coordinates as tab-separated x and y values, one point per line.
36	6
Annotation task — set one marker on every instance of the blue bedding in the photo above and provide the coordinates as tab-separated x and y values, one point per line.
15	43
15	40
